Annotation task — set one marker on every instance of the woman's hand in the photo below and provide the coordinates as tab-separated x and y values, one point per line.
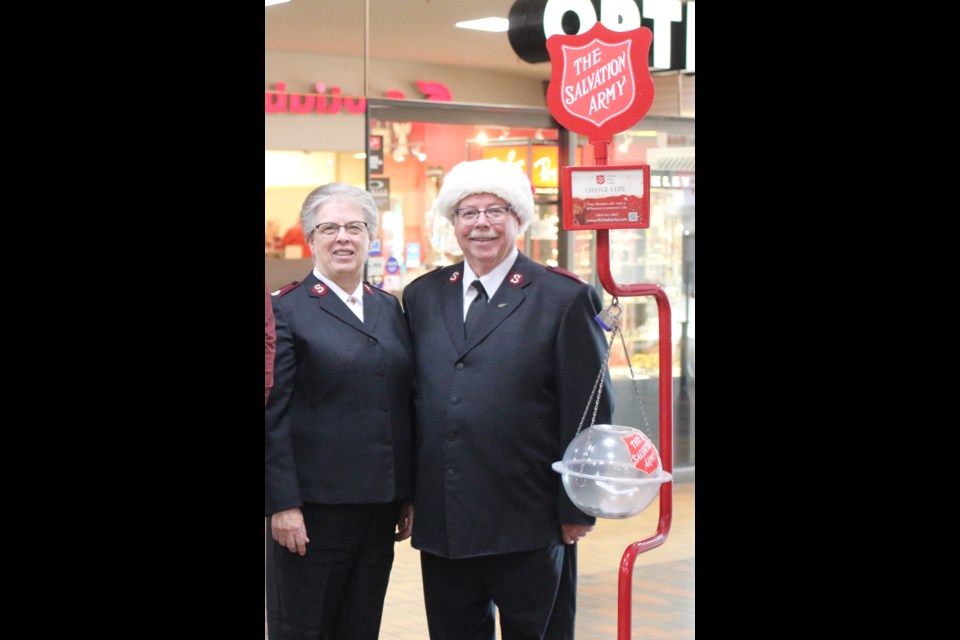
288	530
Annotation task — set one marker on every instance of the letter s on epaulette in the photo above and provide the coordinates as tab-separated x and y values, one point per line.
282	291
569	274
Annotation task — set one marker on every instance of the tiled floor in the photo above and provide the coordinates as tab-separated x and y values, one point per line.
663	604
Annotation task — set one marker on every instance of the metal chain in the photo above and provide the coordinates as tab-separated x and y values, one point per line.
636	389
598	388
597	385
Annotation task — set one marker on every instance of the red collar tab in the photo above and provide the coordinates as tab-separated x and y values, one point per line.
455	277
515	279
319	289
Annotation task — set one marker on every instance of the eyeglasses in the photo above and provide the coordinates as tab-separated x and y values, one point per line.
331	229
494	214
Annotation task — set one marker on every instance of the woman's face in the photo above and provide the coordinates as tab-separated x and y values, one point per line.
341	255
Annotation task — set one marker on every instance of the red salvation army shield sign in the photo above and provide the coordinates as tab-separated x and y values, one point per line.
599	81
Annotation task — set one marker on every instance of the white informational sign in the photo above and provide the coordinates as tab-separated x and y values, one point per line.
375	265
391	283
413	255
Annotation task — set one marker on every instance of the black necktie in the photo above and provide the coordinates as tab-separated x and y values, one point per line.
475	310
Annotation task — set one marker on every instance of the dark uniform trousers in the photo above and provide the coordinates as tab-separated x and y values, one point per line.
535	592
345	571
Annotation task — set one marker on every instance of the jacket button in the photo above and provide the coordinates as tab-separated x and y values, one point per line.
372	340
459	365
451	435
454	400
450	473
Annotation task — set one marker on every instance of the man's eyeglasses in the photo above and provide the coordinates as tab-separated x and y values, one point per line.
494	214
330	229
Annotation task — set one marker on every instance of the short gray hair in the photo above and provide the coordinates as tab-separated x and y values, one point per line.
342	192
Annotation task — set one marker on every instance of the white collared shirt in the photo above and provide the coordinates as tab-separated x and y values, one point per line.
491	282
353	301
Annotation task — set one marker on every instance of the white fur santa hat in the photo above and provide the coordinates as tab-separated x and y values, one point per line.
503	179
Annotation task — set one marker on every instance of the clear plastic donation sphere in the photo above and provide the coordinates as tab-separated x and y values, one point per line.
610	471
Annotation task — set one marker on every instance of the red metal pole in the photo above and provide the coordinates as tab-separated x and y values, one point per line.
625	586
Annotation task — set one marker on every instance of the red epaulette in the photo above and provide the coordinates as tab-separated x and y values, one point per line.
425	273
370	288
282	291
569	274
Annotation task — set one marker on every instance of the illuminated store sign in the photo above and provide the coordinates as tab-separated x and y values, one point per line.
281	101
544	160
672	22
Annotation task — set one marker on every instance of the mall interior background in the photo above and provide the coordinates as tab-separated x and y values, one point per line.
346	104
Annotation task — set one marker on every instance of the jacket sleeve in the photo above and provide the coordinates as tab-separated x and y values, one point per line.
281	489
270	336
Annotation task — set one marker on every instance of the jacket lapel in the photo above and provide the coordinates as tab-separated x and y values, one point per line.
451	304
505	301
372	305
329	302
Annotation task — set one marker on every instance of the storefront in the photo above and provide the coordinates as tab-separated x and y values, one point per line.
401	150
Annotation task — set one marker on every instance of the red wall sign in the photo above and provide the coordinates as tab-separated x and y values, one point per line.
599	81
282	101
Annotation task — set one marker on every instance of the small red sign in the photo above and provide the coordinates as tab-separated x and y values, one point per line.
643	454
606	197
599	82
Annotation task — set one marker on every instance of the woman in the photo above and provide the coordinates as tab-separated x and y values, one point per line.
338	432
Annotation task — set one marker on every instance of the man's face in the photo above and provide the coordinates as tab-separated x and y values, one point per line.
484	243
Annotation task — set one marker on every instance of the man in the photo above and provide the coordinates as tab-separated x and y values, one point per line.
498	399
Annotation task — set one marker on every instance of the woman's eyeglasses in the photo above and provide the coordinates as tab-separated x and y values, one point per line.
332	228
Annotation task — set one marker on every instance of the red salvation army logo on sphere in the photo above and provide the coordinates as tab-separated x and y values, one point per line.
599	81
643	454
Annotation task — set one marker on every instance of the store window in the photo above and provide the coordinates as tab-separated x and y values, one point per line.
663	254
289	177
411	147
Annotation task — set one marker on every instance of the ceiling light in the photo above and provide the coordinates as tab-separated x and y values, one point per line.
486	24
267	3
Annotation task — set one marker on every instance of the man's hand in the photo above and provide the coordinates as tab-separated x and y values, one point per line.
571	533
404	522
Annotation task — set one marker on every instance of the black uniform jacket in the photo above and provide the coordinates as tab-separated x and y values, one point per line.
338	423
495	412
